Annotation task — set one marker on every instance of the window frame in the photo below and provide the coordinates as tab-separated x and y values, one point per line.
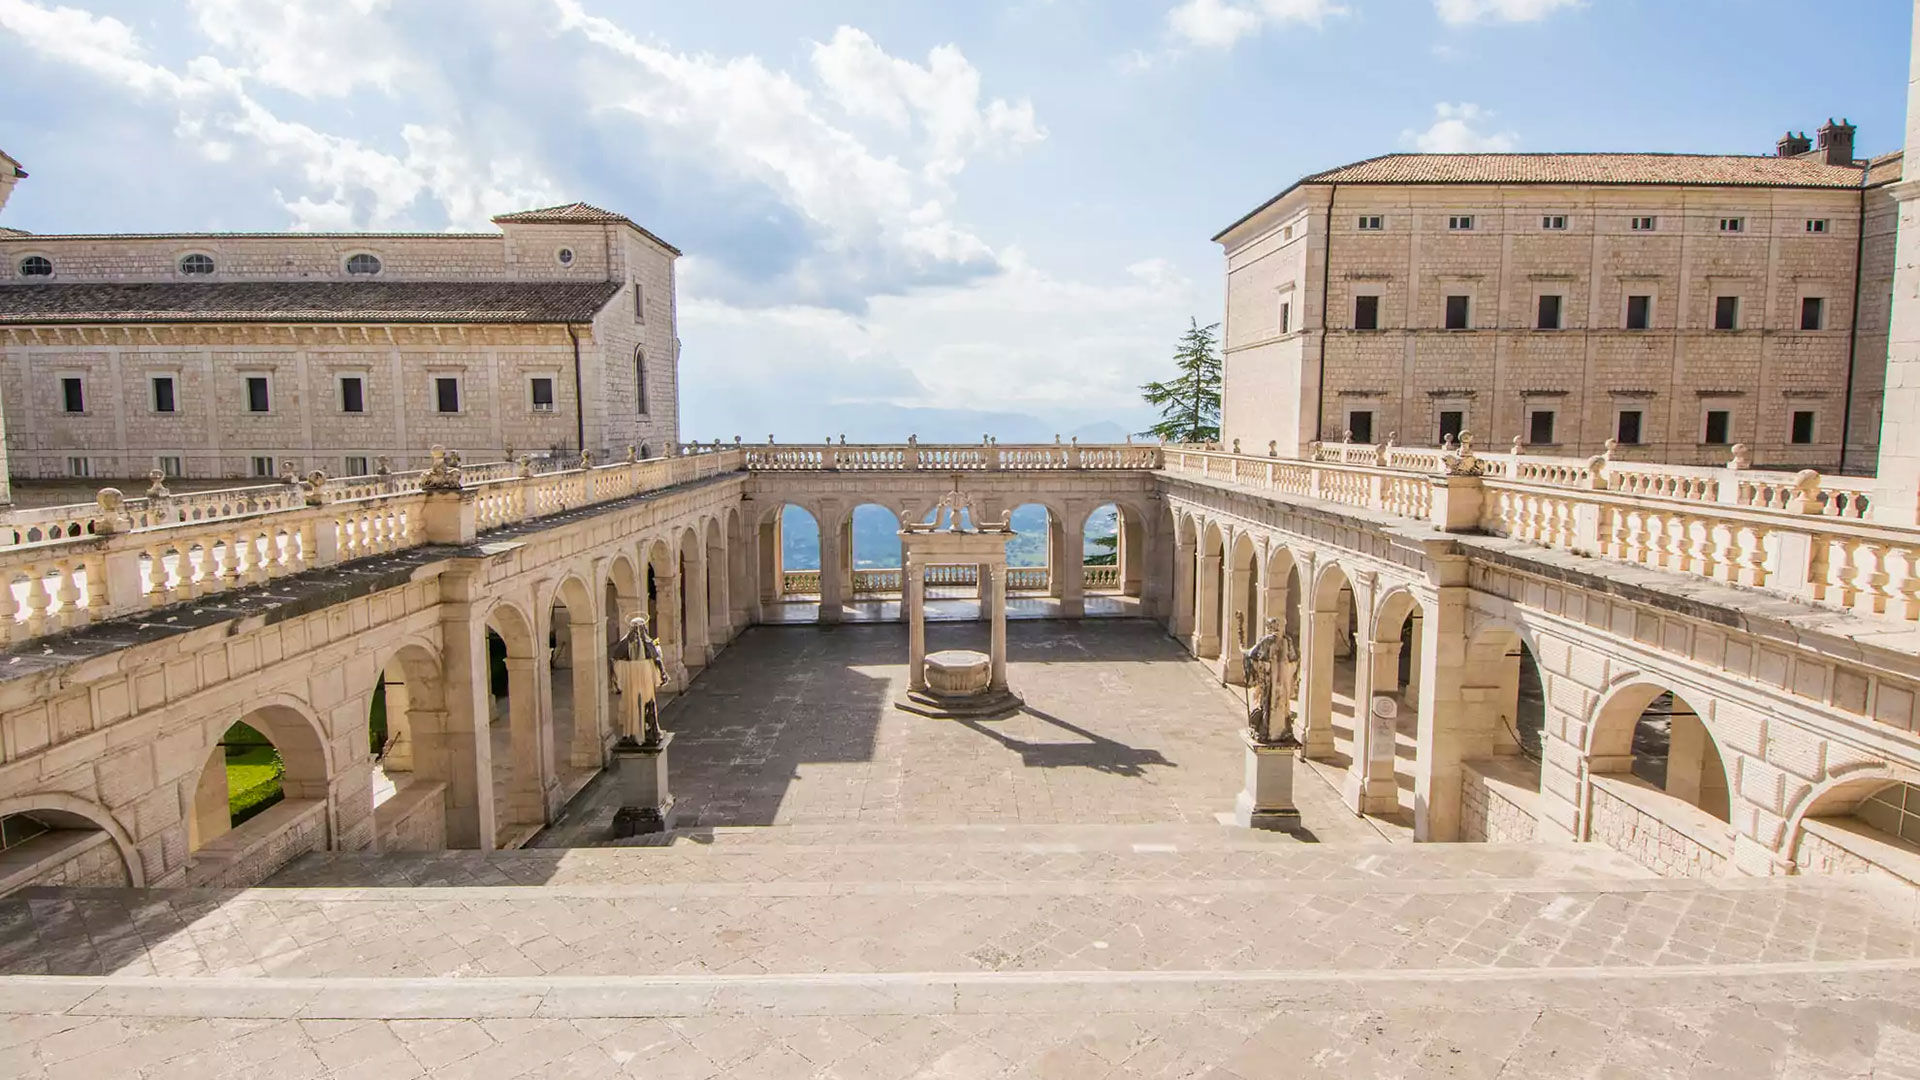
1819	226
180	264
1370	223
1460	222
1540	300
73	386
1375	302
178	470
1819	313
1534	412
1652	223
1553	222
642	404
36	260
1793	427
1735	224
347	264
564	255
247	379
1370	413
434	382
639	303
1707	412
172	379
79	467
1733	321
1639	412
340	380
1626	314
534	379
271	466
1446	311
347	460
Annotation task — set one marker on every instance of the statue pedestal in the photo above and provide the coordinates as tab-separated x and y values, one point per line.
1267	801
640	775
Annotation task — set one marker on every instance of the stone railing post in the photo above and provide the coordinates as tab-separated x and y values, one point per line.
120	568
322	538
911	458
450	518
1457	502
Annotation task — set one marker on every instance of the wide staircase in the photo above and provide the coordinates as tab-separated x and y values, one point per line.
965	951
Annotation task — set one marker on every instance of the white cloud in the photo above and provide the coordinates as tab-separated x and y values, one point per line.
314	48
1220	23
1460	129
1458	12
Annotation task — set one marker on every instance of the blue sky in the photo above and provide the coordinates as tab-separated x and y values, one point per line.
940	218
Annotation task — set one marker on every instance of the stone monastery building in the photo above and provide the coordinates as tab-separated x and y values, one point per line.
1674	303
256	354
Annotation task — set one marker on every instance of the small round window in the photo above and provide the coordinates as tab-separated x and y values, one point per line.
36	266
363	263
196	264
565	255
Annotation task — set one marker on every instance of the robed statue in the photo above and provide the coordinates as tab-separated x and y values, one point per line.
639	669
1269	666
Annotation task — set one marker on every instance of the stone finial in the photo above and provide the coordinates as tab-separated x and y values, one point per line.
1383	452
1597	472
586	459
1458	459
986	440
1447	443
769	439
1346	436
843	438
736	440
1742	457
157	485
507	452
113	512
633	453
381	466
288	475
1611	446
525	469
1518	445
1129	438
1236	446
443	470
1056	438
913	440
1806	493
314	488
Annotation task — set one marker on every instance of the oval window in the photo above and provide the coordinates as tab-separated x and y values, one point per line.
565	255
196	264
363	263
36	266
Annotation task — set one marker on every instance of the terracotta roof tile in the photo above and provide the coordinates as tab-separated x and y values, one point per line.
307	302
577	213
1705	170
1885	169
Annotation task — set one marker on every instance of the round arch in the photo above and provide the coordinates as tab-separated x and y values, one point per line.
85	815
1645	728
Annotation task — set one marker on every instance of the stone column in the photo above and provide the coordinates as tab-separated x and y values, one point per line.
831	586
1182	604
588	643
983	588
1317	632
719	604
454	744
1456	717
1236	616
997	650
1206	608
1896	500
1070	575
913	595
526	792
1416	632
1369	786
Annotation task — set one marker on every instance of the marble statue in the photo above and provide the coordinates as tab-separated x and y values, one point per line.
1270	666
639	668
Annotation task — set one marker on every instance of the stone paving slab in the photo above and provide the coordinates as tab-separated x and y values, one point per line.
1709	1027
1040	926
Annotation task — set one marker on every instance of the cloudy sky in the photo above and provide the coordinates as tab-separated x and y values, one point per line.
898	216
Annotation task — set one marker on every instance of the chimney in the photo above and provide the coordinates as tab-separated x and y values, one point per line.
1836	142
1791	145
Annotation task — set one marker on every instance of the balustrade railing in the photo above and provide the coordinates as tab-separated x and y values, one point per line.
1104	578
887	580
977	457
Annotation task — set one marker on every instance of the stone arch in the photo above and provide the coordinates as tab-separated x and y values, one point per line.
740	584
1657	779
622	594
1186	556
779	581
869	566
1328	648
1846	795
1281	592
305	754
1390	666
719	603
1240	603
577	703
690	554
1024	576
1128	576
72	811
1207	629
523	768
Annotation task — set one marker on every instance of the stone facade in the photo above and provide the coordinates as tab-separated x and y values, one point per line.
1497	801
1363	273
590	369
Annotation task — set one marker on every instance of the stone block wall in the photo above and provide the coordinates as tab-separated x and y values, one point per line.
414	819
250	853
72	857
1628	825
1497	801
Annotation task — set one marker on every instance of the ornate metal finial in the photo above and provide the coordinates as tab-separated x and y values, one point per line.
157	485
443	470
1742	457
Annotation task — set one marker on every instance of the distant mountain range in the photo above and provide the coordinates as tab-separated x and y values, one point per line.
876	537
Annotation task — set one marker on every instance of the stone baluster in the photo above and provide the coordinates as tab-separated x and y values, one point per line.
1870	588
9	611
99	589
37	601
158	592
68	594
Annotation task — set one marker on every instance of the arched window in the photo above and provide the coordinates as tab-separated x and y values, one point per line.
640	379
36	266
196	264
565	255
363	263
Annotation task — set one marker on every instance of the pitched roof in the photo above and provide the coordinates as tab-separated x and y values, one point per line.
1667	170
7	159
307	302
4	231
1885	169
577	213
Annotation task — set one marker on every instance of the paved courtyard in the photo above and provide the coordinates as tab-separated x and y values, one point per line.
796	726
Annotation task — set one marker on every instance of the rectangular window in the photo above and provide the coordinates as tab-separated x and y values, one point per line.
639	303
1452	423
257	399
1639	312
1371	223
1549	312
1726	313
79	466
357	466
172	465
1457	312
1817	225
1553	222
163	396
1460	222
73	394
1733	224
1626	427
1719	427
1644	224
353	394
1366	313
542	394
1540	427
262	465
1286	318
1813	312
1802	432
1360	424
446	393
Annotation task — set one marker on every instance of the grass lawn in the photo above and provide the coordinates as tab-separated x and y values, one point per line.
253	781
